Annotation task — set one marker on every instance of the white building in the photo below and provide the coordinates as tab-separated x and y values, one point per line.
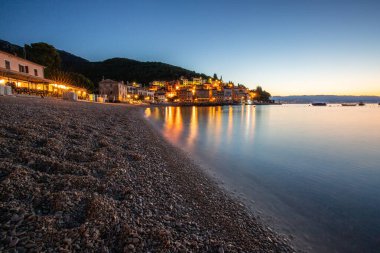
19	65
148	95
198	81
28	77
227	94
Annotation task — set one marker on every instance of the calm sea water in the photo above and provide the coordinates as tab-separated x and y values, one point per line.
313	172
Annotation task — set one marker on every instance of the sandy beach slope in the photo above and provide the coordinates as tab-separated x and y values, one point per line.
88	177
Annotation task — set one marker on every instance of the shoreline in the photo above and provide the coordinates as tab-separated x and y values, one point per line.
270	219
81	176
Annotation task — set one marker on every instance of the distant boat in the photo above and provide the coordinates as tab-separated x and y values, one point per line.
319	104
361	104
349	104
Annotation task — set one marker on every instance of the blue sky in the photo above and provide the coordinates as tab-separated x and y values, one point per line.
288	47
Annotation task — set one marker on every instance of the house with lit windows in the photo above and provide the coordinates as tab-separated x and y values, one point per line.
114	91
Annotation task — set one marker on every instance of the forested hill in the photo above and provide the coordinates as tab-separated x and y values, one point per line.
128	70
115	68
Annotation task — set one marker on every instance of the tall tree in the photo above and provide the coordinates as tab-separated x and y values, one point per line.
44	54
261	95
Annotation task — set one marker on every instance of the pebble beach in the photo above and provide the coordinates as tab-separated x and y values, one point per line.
87	177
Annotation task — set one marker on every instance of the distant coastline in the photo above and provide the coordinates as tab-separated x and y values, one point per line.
305	99
200	104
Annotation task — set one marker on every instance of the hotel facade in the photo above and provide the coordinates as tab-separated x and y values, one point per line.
26	77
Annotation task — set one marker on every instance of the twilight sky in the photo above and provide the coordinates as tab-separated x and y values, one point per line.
288	47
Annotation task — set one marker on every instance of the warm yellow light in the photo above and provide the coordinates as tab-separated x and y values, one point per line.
136	96
2	81
128	96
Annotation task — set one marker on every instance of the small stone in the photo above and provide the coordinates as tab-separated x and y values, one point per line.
16	217
105	249
13	242
21	249
67	241
30	245
163	232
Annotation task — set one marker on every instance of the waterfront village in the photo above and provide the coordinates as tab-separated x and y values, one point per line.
23	77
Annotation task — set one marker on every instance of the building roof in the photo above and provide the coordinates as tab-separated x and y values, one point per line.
22	59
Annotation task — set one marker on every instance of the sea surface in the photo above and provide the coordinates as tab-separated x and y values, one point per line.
312	172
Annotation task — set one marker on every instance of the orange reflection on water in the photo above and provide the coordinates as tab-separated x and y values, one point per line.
249	122
217	126
213	125
173	126
193	127
148	112
242	115
230	124
156	113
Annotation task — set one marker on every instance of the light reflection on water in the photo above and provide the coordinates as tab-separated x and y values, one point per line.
316	169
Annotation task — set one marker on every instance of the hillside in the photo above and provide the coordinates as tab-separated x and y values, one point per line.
124	69
115	68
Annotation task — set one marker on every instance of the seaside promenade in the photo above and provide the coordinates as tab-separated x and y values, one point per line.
96	177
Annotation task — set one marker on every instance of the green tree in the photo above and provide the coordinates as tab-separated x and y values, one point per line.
48	56
44	54
261	95
81	81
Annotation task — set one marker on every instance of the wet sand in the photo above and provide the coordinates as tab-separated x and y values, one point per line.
78	176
